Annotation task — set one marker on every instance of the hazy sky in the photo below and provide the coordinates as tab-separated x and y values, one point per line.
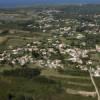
30	2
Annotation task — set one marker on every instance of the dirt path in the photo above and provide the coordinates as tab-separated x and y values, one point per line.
64	76
82	93
94	84
28	38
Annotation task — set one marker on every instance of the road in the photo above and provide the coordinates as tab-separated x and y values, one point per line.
94	84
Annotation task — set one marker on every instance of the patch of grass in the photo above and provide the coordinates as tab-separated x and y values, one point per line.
97	80
3	39
39	88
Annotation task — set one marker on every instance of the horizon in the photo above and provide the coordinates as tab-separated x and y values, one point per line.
21	3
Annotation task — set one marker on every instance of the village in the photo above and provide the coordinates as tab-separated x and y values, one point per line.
49	53
63	46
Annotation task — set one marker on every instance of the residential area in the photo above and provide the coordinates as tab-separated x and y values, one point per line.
61	47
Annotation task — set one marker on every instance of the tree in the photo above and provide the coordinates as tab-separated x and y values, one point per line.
20	97
4	32
10	96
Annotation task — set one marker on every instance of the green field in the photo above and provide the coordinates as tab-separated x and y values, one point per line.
50	85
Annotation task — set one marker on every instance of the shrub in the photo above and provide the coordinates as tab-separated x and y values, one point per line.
24	72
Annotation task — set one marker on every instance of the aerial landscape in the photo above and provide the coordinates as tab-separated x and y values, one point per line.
49	50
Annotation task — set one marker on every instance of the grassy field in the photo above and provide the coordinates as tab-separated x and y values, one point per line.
50	85
41	88
3	40
20	39
97	80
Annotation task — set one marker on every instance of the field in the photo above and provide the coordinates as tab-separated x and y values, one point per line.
49	85
98	83
45	87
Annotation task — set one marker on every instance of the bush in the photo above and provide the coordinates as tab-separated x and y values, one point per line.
10	96
24	72
74	72
44	80
19	97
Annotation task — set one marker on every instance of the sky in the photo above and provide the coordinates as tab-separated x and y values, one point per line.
14	3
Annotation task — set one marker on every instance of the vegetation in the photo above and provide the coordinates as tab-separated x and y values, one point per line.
24	72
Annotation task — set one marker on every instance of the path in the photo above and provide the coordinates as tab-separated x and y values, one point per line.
94	84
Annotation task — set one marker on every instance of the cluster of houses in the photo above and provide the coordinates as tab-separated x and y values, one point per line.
32	53
47	22
48	55
51	52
